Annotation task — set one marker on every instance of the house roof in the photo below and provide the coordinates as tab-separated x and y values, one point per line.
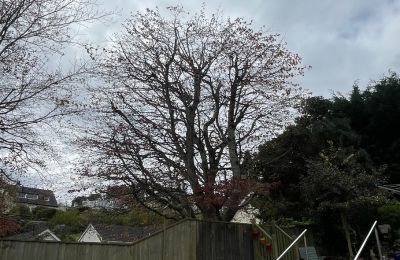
116	233
47	233
44	197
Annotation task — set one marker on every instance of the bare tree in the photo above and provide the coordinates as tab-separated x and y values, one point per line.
32	33
189	95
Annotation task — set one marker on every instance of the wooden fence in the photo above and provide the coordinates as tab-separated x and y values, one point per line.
185	240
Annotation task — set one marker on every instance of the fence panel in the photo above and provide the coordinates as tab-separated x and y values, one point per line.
32	250
220	240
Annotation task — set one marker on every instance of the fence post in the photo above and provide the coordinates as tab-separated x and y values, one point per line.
296	252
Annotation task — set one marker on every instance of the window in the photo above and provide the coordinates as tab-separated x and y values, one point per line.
31	196
46	198
28	196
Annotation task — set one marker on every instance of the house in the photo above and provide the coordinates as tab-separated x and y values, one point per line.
94	201
102	233
98	204
33	197
37	230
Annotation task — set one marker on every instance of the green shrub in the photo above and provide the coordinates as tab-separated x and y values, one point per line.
390	214
43	213
69	218
21	211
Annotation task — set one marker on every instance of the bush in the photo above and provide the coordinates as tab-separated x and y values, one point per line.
43	213
390	214
69	218
21	211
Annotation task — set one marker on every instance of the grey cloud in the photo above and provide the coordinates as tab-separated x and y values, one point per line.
342	40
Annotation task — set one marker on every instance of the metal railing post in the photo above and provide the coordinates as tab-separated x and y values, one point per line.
378	243
365	240
290	246
305	247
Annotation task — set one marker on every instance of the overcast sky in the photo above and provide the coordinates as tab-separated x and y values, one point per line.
344	42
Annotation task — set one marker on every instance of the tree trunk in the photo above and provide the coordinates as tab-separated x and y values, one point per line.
347	234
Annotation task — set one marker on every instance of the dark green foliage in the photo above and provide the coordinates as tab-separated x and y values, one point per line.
70	218
360	133
390	214
20	211
284	158
338	180
366	122
375	116
43	213
341	184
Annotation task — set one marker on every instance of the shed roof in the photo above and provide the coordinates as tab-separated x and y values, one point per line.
117	233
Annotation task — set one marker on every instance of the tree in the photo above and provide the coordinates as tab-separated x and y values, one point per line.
338	182
7	224
32	93
364	123
188	96
33	32
375	115
284	158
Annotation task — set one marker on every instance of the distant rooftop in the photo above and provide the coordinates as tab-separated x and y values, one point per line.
122	233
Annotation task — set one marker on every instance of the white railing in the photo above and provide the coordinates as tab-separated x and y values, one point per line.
292	244
366	239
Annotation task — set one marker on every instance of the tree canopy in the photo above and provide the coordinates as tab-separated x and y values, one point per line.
308	158
33	93
186	96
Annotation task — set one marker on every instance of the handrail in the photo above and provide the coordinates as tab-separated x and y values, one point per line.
365	240
283	232
262	231
290	246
